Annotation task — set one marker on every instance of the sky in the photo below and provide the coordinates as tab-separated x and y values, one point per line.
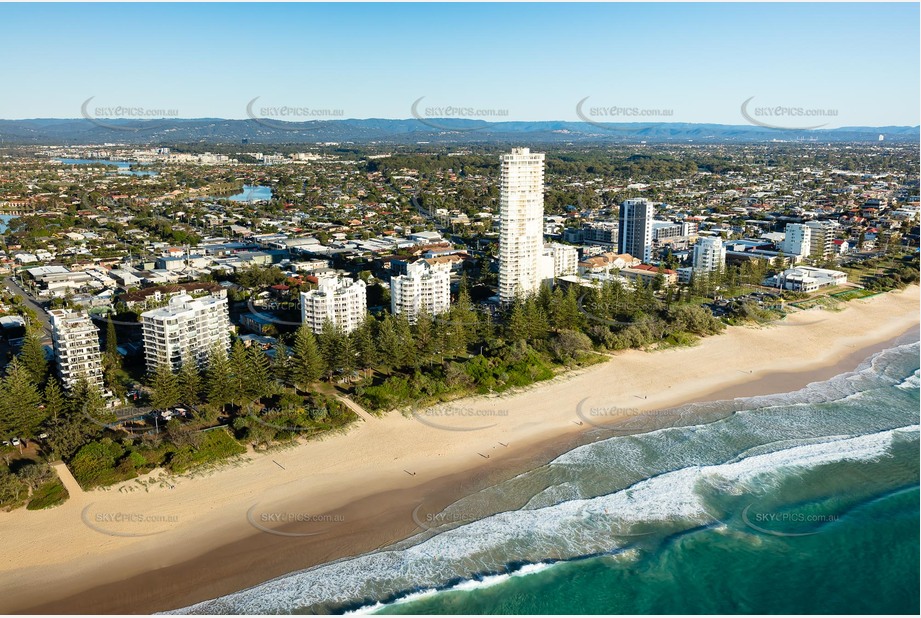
858	64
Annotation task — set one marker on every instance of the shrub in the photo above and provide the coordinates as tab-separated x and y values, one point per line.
48	495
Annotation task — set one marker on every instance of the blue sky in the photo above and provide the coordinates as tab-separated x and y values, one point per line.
537	61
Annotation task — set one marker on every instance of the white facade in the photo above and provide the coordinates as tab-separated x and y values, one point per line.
521	214
821	235
806	279
709	254
558	260
424	287
797	240
185	328
341	301
76	347
635	236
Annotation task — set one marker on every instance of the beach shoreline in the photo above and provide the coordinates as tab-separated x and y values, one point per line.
360	491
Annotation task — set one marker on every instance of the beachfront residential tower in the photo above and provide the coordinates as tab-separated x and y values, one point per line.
558	260
422	288
185	328
635	231
339	300
76	347
709	254
821	238
521	214
797	241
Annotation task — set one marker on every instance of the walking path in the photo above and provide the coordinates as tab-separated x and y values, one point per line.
67	479
357	409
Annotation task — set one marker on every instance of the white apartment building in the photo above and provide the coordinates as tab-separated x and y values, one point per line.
424	287
635	235
797	241
185	328
76	347
558	260
342	301
821	237
806	279
709	254
521	215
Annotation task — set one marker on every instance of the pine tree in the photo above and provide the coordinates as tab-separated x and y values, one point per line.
238	363
425	338
329	341
111	339
363	343
32	357
190	382
257	381
21	415
405	348
165	387
217	377
388	342
306	362
344	355
516	326
53	396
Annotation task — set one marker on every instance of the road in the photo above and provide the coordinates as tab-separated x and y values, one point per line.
10	284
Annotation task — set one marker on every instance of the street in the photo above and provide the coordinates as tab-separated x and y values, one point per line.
14	288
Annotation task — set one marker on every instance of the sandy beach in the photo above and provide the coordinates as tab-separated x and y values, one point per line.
141	547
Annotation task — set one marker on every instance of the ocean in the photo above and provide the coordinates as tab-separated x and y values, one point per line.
803	502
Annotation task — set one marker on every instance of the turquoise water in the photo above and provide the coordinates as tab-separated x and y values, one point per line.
252	193
803	502
124	167
5	222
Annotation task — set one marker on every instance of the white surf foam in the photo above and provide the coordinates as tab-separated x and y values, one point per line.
558	532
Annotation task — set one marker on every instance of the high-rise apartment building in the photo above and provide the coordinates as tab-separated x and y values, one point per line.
422	288
186	328
558	260
797	241
821	238
521	212
709	254
76	347
635	235
339	300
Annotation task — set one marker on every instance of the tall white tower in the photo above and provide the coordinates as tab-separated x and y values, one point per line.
76	347
797	241
521	230
635	232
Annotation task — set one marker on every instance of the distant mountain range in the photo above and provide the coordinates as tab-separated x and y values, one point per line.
54	131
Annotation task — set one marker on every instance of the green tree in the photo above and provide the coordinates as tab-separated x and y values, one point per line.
53	396
21	414
363	343
306	361
330	342
32	356
425	338
111	359
189	382
165	387
257	382
217	377
111	339
239	366
388	342
516	326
